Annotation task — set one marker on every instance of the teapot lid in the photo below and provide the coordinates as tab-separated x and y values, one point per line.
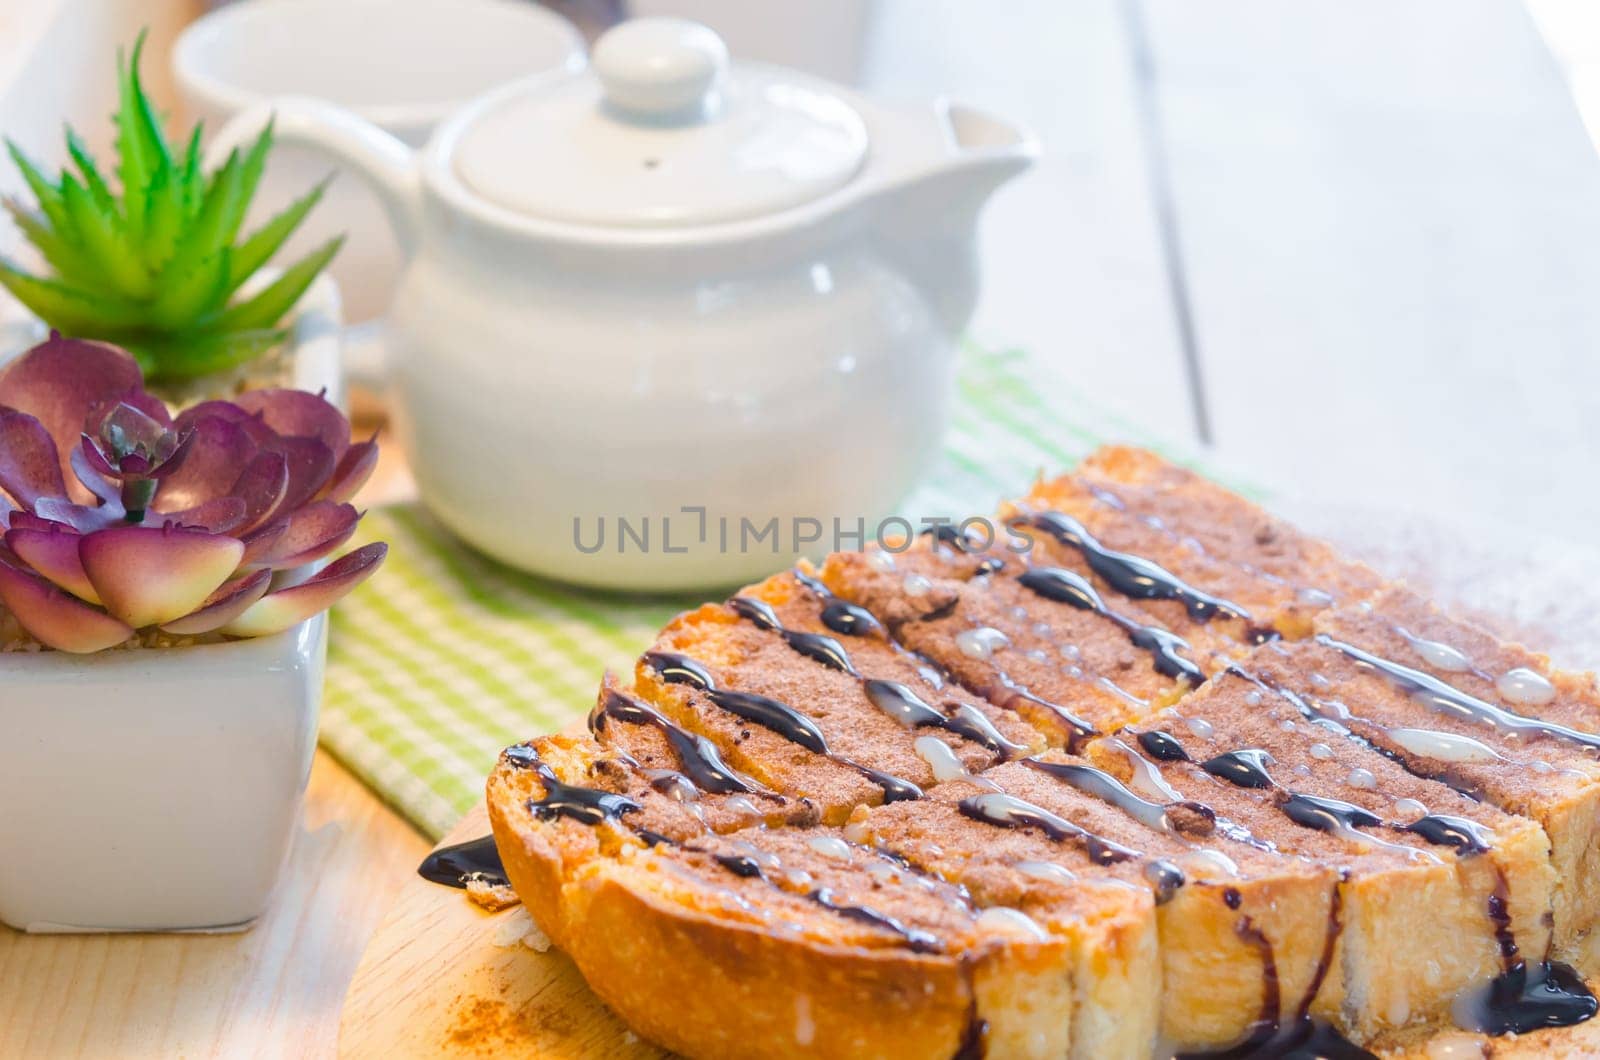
664	132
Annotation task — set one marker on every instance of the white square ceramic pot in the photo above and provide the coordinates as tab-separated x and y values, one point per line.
154	790
158	790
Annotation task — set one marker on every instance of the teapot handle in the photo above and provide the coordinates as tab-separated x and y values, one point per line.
388	166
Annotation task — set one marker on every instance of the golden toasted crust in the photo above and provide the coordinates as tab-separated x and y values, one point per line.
703	986
710	986
660	950
1212	975
1562	794
1116	989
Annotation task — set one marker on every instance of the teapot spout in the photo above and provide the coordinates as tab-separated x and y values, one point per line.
929	223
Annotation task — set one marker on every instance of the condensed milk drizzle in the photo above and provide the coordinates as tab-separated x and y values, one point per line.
1107	788
1449	700
905	706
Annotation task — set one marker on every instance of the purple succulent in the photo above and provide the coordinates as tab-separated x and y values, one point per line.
117	517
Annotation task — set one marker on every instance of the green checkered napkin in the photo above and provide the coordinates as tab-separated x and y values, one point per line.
447	656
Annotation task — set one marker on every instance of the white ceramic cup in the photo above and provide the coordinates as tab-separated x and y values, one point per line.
402	64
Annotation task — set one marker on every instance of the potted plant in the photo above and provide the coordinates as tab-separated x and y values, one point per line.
149	255
162	633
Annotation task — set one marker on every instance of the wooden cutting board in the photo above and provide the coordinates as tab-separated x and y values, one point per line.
444	978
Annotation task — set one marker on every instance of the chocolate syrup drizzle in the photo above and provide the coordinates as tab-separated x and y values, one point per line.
1530	996
779	717
1447	699
463	863
1162	747
584	805
949	534
1009	692
1165	876
1438	829
590	806
975	1036
1247	768
1500	917
478	859
1110	499
774	715
916	939
1302	1038
1327	815
1524	996
1266	1025
1008	811
1004	692
893	698
1069	587
850	620
702	762
853	620
1306	1039
822	648
1133	576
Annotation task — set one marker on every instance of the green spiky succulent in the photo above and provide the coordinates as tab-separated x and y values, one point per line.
157	269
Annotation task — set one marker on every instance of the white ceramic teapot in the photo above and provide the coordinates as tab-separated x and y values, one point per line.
655	311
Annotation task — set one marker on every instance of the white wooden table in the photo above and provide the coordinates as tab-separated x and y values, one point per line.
1357	240
1366	231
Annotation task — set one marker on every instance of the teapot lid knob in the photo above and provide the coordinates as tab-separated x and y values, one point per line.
663	131
661	70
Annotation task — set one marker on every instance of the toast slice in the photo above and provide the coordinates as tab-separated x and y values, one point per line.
801	942
1007	634
1385	673
1243	933
813	698
1467	885
1228	570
